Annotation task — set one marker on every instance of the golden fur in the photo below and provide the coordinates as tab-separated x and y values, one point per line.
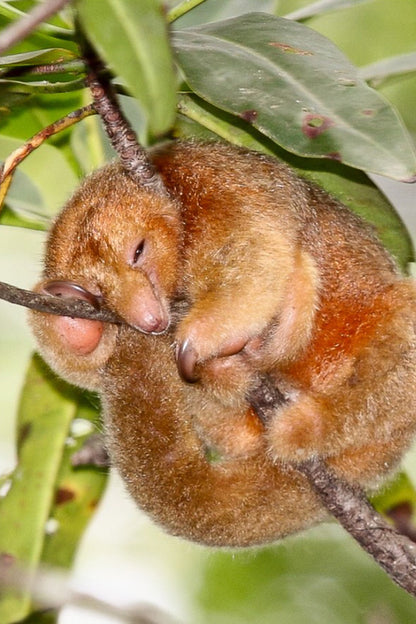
279	279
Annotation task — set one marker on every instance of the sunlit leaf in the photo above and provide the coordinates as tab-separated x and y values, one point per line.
400	490
13	13
49	502
297	88
144	60
11	88
197	12
25	199
8	217
318	577
78	491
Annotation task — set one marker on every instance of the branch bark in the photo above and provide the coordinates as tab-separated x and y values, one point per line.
76	308
394	552
122	136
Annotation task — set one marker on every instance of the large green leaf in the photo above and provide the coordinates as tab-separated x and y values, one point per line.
297	88
143	60
43	486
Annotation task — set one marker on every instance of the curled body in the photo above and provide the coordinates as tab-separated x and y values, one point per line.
279	279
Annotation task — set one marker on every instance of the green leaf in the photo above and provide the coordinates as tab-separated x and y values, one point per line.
351	186
13	88
398	491
215	11
78	490
37	57
44	420
43	110
45	511
143	60
182	8
297	88
8	217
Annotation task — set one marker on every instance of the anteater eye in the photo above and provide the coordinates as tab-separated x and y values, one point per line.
139	251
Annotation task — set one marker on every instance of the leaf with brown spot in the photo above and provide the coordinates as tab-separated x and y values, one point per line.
233	65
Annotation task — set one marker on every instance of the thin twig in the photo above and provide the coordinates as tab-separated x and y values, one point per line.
16	157
122	136
69	67
17	31
75	308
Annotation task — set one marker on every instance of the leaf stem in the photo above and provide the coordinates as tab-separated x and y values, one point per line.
182	8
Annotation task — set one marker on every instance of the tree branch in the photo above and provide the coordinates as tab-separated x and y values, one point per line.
76	308
394	552
122	136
